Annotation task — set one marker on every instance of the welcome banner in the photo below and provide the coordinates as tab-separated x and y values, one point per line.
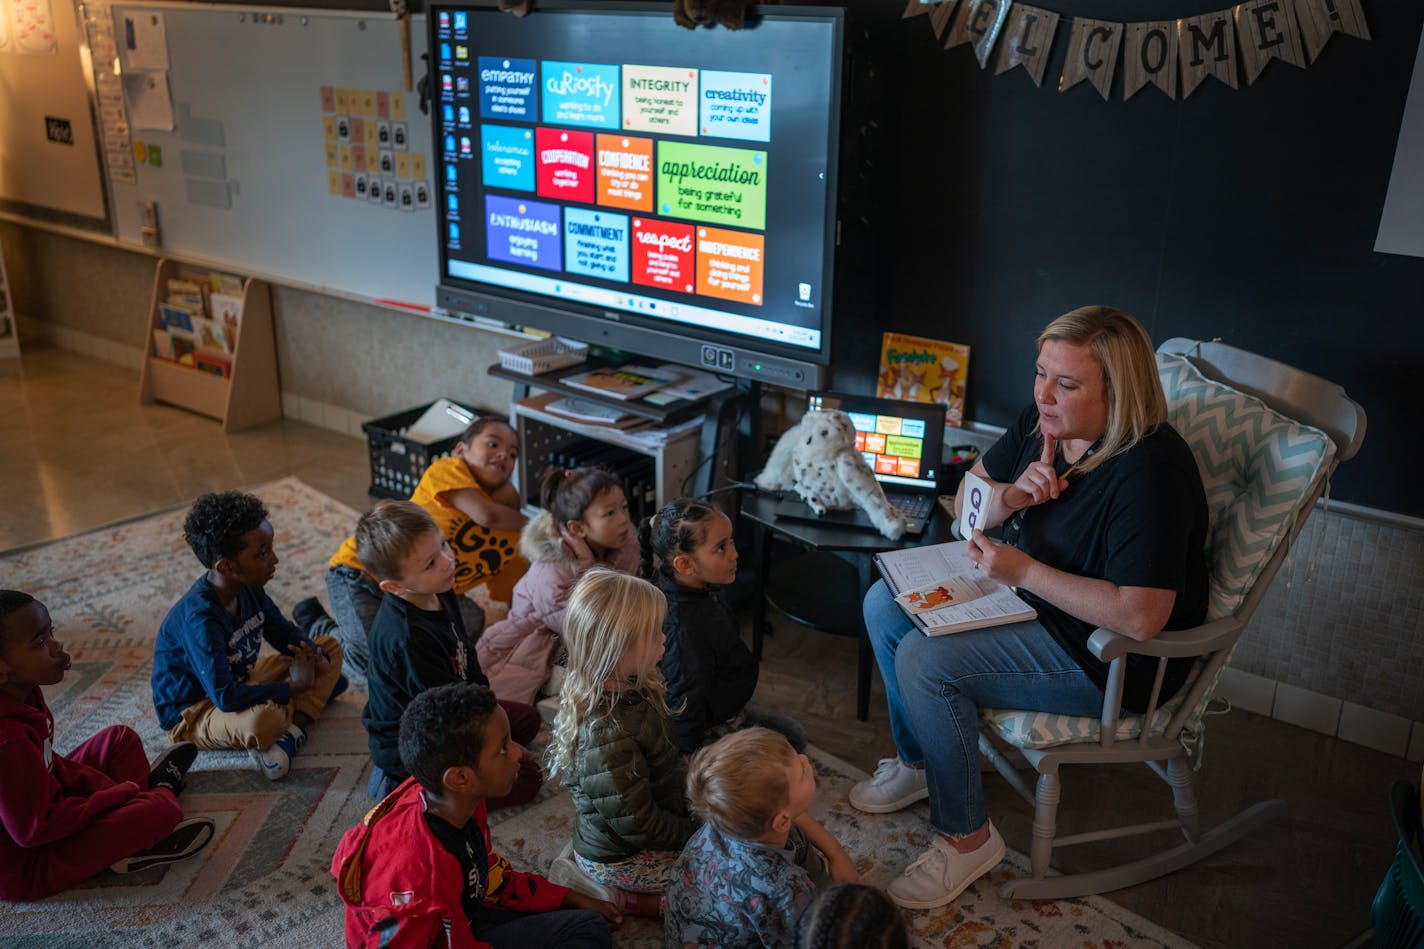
1175	56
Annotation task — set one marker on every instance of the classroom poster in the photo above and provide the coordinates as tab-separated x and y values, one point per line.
736	105
580	94
660	99
712	184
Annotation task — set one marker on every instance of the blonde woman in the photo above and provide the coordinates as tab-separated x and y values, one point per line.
613	746
1104	522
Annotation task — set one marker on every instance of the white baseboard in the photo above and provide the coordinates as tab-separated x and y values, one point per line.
97	347
1382	731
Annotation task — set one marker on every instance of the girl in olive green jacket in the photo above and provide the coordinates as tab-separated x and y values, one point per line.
613	746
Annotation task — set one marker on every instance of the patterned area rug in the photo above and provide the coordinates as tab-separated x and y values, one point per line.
264	881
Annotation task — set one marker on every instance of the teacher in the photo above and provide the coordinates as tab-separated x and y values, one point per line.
1105	525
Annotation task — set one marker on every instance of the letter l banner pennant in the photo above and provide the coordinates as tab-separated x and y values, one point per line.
1027	41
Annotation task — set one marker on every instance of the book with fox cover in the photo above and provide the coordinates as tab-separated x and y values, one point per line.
916	369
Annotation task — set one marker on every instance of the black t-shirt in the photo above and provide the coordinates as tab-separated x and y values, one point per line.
1137	520
467	845
411	650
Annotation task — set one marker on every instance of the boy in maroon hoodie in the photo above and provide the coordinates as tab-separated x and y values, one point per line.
419	869
63	818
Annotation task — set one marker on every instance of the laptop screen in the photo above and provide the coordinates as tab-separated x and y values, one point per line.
902	441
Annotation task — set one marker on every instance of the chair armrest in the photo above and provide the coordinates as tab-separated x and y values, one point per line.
1173	644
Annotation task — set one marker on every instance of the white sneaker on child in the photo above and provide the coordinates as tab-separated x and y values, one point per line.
565	872
941	873
276	761
894	785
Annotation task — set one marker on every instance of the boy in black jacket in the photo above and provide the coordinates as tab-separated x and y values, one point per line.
418	640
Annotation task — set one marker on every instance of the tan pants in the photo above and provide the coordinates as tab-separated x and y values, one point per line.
210	728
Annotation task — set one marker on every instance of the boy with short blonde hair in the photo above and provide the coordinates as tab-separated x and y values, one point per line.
419	641
747	876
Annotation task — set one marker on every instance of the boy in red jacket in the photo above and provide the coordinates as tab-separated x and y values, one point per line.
419	870
64	818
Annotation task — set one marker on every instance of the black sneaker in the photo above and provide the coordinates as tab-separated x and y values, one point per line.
188	838
308	613
172	766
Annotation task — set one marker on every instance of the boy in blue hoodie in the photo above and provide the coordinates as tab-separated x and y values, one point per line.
209	686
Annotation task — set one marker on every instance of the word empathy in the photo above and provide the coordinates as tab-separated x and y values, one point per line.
1225	44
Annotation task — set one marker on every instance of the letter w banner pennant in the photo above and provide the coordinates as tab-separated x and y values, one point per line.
1267	30
1208	48
1149	54
940	16
1319	19
1027	41
1092	55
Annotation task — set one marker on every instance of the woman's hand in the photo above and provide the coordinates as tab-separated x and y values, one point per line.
1002	562
1038	483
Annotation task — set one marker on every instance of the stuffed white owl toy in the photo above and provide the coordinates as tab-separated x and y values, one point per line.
817	458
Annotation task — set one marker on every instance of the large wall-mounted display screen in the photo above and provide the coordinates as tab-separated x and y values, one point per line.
601	160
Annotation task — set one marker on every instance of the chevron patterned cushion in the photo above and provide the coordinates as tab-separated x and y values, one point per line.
1256	466
1026	729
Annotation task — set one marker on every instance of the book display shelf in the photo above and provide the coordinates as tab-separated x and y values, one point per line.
234	382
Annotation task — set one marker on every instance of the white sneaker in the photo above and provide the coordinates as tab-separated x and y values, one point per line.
276	761
941	873
565	872
894	785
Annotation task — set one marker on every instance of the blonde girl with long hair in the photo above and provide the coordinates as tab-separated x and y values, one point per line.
613	746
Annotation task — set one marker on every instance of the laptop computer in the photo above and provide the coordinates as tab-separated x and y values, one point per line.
901	441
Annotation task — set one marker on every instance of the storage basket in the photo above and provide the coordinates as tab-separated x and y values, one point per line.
398	462
543	355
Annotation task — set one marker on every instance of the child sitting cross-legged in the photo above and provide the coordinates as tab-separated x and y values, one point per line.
748	876
613	746
209	686
420	870
689	553
64	818
419	640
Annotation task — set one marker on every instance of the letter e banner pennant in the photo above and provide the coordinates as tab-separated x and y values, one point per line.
1149	54
986	20
1027	41
915	8
1208	48
1092	55
1266	30
1320	18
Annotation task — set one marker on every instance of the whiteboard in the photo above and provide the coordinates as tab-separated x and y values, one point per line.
247	103
1401	229
43	81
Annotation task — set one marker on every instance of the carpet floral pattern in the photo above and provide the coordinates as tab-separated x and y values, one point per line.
264	881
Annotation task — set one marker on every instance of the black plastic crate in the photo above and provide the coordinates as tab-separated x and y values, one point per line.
398	462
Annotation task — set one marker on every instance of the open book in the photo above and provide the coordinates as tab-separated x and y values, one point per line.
925	570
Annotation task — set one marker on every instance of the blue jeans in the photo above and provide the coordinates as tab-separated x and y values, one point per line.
935	686
555	929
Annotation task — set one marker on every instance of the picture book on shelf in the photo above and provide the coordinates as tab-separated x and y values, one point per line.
915	369
941	592
625	382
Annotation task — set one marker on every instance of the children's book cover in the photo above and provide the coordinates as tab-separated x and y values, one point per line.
627	382
915	369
